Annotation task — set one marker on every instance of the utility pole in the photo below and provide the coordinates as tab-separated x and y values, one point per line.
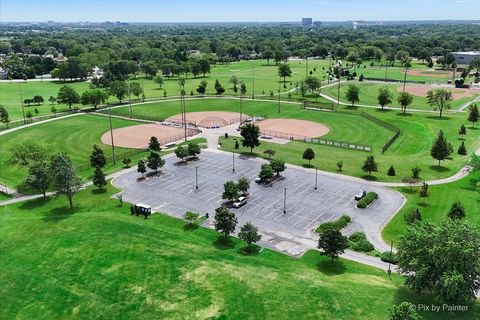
405	78
129	99
338	87
386	68
111	134
306	66
389	271
21	101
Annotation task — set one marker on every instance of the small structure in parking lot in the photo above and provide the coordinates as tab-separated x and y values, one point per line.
142	209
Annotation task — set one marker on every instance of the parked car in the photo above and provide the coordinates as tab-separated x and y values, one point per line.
258	180
240	202
360	195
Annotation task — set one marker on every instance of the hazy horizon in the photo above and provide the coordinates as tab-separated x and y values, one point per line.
205	11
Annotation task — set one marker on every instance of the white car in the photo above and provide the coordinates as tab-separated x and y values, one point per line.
240	202
360	195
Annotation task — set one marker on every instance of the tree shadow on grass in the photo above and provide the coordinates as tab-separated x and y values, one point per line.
190	227
99	191
35	204
423	204
252	250
438	168
223	243
331	269
369	178
59	213
401	114
309	166
438	118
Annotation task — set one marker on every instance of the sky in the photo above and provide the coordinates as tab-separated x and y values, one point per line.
236	10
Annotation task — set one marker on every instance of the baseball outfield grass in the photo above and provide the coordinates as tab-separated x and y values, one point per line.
98	261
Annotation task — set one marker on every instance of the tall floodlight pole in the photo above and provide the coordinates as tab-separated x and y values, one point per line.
21	101
129	99
278	95
253	82
285	200
306	66
338	87
316	178
196	177
111	134
389	262
405	78
233	161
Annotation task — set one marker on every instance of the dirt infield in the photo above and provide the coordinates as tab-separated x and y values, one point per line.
209	119
429	73
138	136
292	128
421	91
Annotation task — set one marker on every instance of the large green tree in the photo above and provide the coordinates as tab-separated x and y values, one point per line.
473	114
440	99
4	117
384	97
284	71
250	134
249	234
65	180
68	95
404	99
224	221
440	148
353	94
332	243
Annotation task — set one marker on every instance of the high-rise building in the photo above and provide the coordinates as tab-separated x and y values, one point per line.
307	21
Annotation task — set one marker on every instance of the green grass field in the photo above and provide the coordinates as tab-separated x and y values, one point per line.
266	80
100	262
369	91
436	206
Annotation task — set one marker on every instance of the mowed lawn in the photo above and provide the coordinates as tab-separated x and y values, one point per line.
98	261
74	136
266	80
436	206
368	93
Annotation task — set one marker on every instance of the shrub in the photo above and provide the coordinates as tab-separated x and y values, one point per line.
391	171
338	224
359	242
357	236
389	257
367	200
361	77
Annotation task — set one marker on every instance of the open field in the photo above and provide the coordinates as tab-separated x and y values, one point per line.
100	262
369	91
436	206
266	80
74	135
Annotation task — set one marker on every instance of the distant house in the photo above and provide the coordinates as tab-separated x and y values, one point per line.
466	57
3	74
60	58
97	73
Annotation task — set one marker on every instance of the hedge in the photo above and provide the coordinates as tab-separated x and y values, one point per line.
358	242
338	224
367	200
385	257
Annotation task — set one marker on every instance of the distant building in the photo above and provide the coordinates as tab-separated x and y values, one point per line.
365	24
317	23
465	58
307	21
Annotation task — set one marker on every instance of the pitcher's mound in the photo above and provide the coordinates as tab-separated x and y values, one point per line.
138	136
209	119
292	128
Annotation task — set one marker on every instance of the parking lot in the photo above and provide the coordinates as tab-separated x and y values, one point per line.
174	192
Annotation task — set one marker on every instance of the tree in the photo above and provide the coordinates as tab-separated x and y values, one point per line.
473	114
97	158
230	191
369	165
224	221
219	89
423	192
312	83
150	68
67	95
141	167
462	150
278	166
250	134
332	243
27	153
126	162
444	259
416	172
340	165
384	97
269	152
99	178
181	152
94	97
266	172
309	155
249	234
243	185
462	131
267	54
404	311
440	148
65	180
234	80
119	89
195	68
440	99
391	171
404	99
412	216
191	217
284	71
457	211
352	94
39	177
136	89
193	149
202	87
38	99
154	161
204	66
4	117
159	80
154	144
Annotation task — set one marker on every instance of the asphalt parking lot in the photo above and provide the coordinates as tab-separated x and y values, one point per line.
174	192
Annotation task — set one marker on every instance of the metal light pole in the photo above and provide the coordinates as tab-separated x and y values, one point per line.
306	66
338	89
233	161
316	178
196	177
111	134
285	200
253	82
278	95
21	101
129	99
389	271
